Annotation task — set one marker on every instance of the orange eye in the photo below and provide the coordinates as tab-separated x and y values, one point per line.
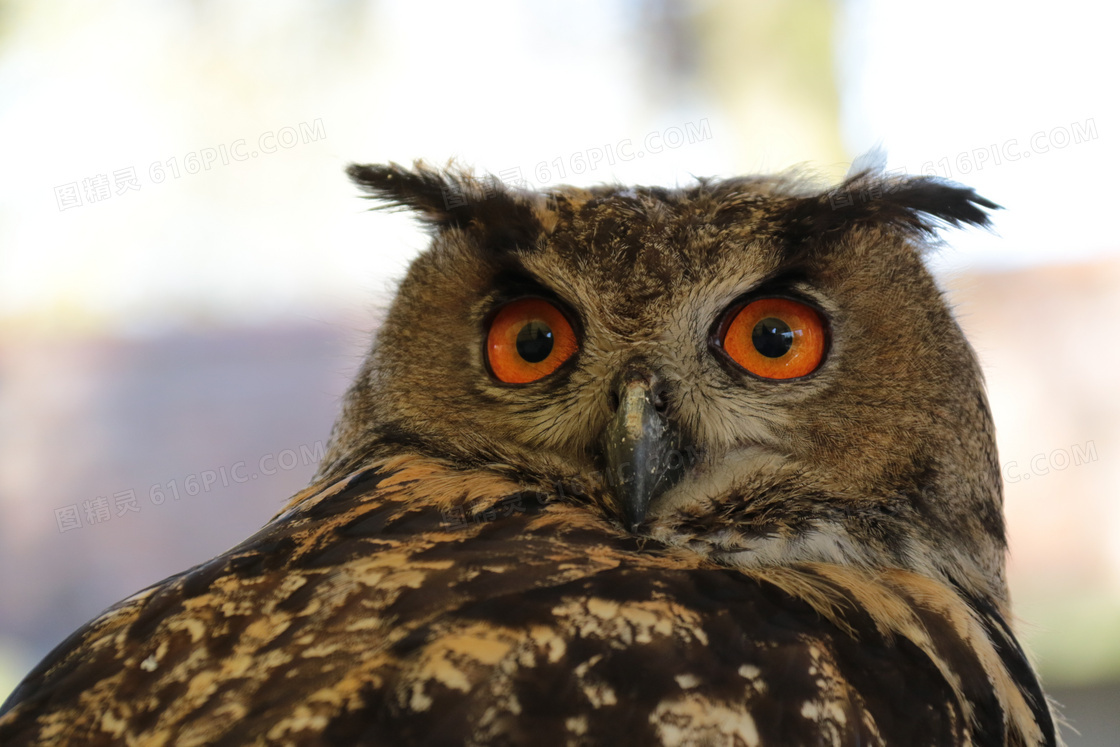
528	339
775	338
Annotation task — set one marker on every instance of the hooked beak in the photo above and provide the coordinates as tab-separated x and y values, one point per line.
641	449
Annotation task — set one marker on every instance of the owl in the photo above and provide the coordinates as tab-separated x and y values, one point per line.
711	465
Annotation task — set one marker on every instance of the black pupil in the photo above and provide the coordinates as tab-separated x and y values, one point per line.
771	337
534	341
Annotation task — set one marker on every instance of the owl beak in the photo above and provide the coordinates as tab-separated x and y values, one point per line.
640	448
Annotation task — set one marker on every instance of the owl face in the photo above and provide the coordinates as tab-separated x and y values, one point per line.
753	369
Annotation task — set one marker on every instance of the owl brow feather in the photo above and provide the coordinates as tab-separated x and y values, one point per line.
917	205
454	198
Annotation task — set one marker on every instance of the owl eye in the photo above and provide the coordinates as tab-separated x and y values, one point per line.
775	338
528	339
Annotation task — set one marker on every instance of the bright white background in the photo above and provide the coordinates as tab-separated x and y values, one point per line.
93	89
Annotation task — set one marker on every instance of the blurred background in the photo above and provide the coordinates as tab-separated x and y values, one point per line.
188	282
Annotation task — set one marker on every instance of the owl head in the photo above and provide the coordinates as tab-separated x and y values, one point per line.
759	370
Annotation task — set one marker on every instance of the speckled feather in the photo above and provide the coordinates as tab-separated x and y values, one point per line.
373	612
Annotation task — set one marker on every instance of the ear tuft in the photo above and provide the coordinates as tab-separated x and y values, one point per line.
920	202
453	198
914	204
429	192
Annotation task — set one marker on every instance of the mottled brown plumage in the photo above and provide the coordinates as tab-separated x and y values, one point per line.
821	563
